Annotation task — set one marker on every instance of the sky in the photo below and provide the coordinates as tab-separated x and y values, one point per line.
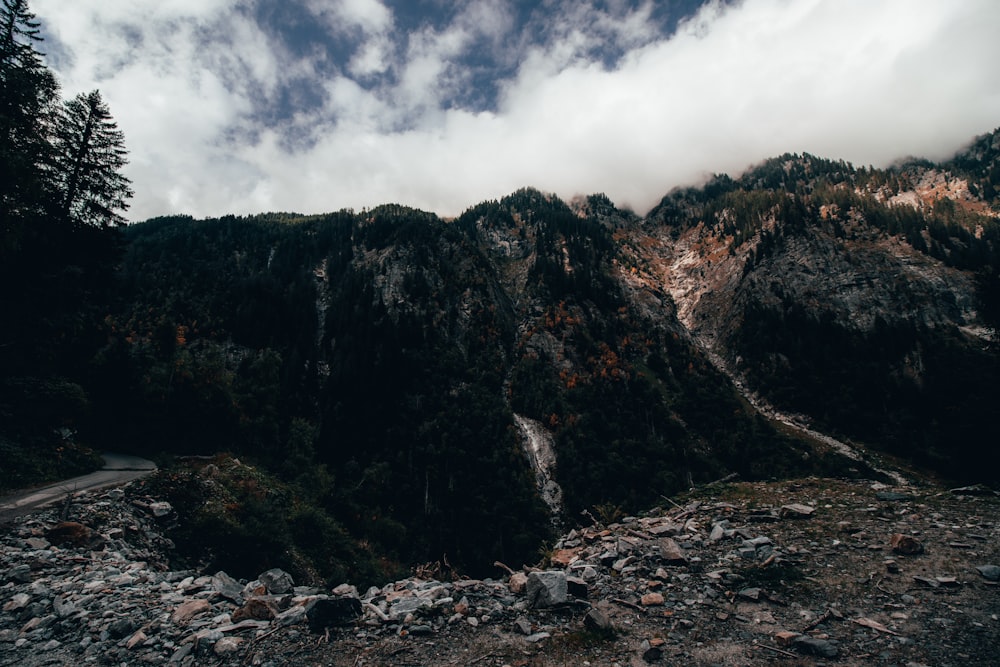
247	106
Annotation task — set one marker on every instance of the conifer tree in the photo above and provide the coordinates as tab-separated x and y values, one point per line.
89	153
28	99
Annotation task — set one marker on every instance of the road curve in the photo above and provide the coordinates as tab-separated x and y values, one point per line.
118	469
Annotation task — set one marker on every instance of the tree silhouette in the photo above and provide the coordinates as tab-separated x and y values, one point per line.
88	158
28	97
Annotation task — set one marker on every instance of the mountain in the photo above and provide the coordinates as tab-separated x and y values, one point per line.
396	373
863	299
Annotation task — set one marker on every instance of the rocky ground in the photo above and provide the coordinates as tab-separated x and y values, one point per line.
810	572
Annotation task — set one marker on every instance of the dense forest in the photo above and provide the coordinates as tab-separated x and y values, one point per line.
346	383
62	196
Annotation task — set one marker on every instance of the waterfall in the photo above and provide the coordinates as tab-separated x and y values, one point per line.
538	447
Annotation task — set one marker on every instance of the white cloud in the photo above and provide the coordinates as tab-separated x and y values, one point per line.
864	80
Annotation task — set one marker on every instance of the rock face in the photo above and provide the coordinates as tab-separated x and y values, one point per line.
796	286
815	584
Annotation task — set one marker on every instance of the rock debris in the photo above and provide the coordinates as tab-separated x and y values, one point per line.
791	573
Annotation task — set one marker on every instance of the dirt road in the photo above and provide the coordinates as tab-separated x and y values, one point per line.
118	469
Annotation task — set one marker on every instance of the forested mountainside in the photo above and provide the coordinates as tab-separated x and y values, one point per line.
369	365
377	359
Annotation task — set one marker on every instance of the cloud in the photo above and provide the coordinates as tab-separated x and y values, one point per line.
586	98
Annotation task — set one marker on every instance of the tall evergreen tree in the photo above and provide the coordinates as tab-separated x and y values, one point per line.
61	199
88	158
28	99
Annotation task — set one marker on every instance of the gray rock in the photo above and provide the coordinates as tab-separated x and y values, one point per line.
63	607
406	606
671	553
813	646
537	637
277	582
523	626
181	653
597	621
989	572
121	628
17	601
160	509
546	589
227	587
206	639
291	616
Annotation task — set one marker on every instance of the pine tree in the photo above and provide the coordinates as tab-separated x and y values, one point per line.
28	99
89	155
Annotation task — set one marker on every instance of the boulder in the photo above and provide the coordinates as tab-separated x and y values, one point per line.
546	589
671	552
277	582
333	612
597	621
227	587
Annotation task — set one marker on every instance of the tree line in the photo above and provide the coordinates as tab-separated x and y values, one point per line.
62	200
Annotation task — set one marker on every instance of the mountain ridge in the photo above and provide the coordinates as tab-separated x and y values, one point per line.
374	361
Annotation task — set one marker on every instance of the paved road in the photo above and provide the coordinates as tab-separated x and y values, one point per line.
118	469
